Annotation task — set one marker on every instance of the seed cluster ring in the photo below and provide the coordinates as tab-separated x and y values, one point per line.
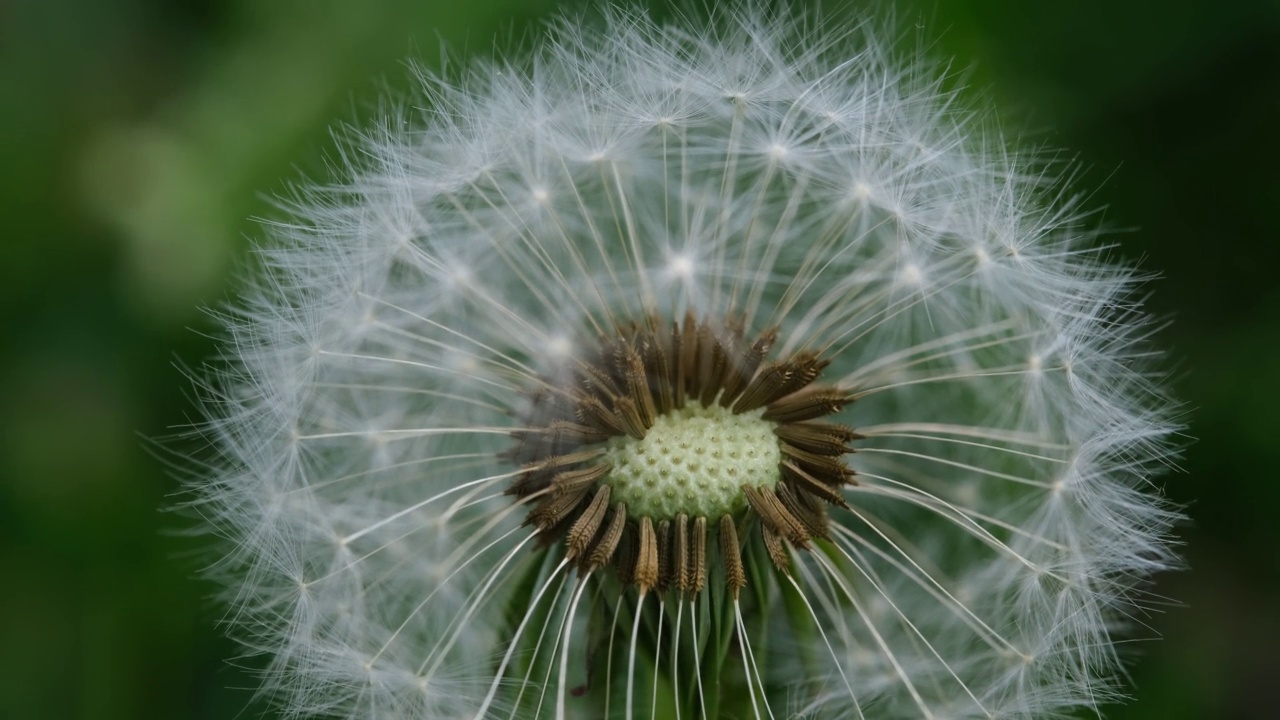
619	390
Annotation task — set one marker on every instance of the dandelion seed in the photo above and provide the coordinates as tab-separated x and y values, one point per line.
689	373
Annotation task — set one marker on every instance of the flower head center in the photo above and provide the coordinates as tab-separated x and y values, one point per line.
667	432
694	460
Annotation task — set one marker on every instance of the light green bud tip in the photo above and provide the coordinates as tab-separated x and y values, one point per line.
694	461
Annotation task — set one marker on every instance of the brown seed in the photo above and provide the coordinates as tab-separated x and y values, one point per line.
698	555
812	402
585	527
689	354
592	412
646	573
802	480
677	366
665	566
562	434
604	550
774	514
777	551
827	467
744	368
627	554
638	387
803	369
658	347
680	553
731	553
595	379
711	364
632	420
818	437
573	458
805	509
762	387
571	481
556	508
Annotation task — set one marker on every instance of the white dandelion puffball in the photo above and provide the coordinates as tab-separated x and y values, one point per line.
715	370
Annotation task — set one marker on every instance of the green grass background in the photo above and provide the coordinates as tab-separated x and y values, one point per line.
138	138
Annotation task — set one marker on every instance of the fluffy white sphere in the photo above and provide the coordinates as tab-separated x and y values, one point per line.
789	173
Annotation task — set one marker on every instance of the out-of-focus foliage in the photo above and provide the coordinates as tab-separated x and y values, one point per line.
138	139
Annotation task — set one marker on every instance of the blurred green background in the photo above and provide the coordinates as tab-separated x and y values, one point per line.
140	136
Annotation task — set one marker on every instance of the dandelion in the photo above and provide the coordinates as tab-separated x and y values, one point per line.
689	373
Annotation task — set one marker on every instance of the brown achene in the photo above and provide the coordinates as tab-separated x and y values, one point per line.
643	372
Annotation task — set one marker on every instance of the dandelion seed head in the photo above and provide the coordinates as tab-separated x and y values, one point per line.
732	369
